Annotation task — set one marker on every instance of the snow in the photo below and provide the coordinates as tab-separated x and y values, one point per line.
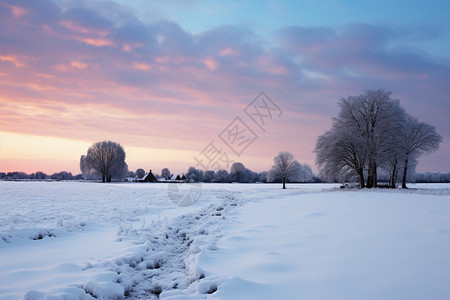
76	240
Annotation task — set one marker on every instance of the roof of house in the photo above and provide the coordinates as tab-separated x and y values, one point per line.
178	177
149	176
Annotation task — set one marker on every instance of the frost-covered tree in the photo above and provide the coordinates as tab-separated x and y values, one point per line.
285	167
375	119
166	173
432	177
107	158
262	177
222	176
194	174
304	173
247	176
341	155
419	138
63	175
209	176
140	173
87	171
372	131
237	171
40	175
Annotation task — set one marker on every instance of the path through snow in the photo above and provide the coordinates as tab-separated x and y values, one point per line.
99	241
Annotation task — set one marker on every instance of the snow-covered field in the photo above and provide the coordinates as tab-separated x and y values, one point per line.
75	240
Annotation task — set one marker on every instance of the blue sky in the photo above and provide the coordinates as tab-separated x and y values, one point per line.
264	17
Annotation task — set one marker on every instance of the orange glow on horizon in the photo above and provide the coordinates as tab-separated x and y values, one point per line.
27	153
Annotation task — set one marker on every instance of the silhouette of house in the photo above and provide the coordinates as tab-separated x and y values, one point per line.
148	177
178	177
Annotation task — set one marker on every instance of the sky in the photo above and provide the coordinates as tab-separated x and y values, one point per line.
208	83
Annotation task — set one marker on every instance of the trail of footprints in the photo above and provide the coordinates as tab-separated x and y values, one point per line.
167	253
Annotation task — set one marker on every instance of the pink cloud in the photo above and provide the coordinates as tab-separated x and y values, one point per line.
211	63
98	42
159	86
78	64
142	66
228	51
14	60
16	10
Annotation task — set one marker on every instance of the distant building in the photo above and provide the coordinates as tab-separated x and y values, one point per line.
161	179
178	178
148	177
131	179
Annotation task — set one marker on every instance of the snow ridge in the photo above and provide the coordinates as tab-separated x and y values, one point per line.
163	263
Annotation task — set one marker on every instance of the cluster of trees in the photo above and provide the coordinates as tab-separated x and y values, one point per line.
219	176
63	175
372	132
238	173
432	177
106	161
285	169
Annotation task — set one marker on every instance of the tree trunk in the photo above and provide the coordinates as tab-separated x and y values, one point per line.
405	171
361	178
284	183
369	184
393	179
374	175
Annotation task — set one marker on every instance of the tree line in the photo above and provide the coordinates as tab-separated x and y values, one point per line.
373	132
39	175
239	173
105	161
219	176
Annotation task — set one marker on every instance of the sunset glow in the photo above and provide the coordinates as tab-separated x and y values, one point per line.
74	73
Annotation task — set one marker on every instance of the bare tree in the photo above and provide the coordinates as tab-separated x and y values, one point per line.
87	171
107	158
285	166
373	131
365	136
419	138
222	176
40	175
376	119
194	174
340	155
237	171
140	173
304	173
165	173
209	176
